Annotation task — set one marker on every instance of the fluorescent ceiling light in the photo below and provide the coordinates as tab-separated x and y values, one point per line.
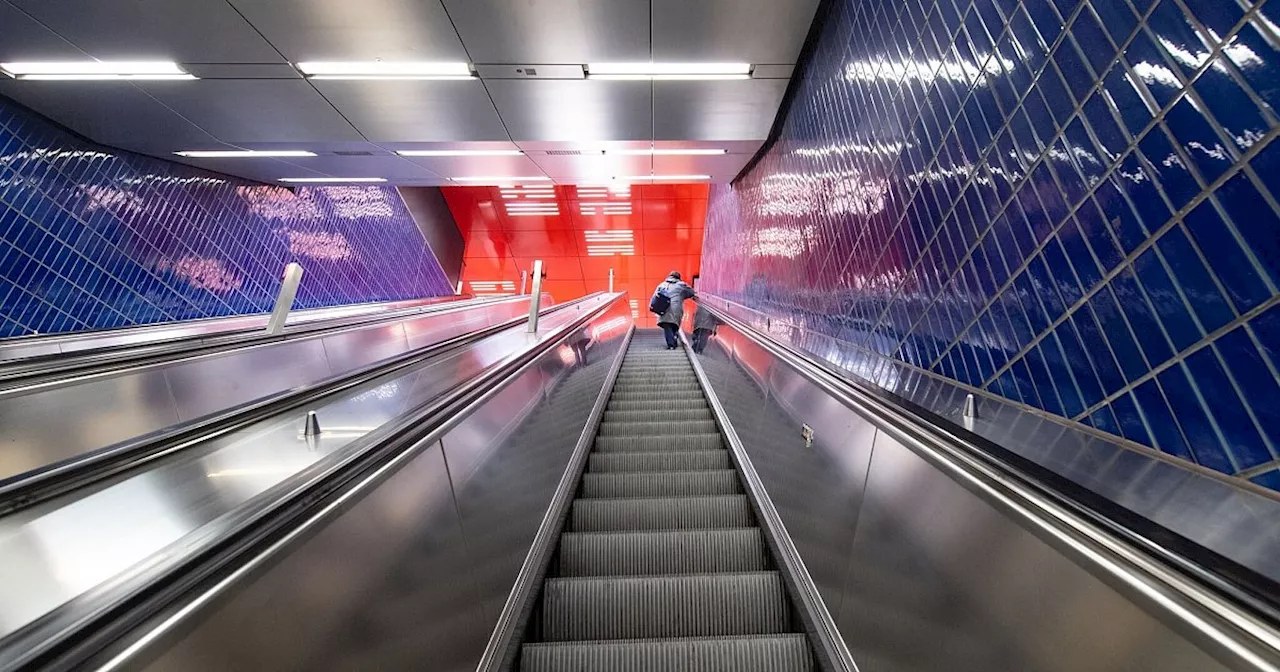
95	70
460	152
322	180
669	70
691	178
243	153
385	70
653	151
501	180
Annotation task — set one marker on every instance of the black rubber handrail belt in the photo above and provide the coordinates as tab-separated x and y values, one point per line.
21	375
1222	593
215	556
56	479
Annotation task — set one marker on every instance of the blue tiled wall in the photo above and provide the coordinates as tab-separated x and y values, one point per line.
93	238
1071	205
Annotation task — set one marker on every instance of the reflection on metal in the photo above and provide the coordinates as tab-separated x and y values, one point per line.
284	300
970	408
524	281
537	296
458	290
313	424
611	281
806	432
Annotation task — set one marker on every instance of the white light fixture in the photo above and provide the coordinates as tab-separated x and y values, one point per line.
243	153
460	152
669	70
324	180
385	70
94	70
498	180
654	151
679	178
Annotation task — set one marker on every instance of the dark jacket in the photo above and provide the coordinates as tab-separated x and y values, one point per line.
677	291
703	319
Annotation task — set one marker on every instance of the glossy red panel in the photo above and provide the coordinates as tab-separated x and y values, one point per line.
640	235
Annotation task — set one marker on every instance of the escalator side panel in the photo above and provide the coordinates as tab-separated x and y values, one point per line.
918	572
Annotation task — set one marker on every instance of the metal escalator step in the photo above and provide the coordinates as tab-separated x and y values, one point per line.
699	605
682	373
766	653
669	413
655	444
661	484
691	460
655	404
659	513
658	428
667	552
682	396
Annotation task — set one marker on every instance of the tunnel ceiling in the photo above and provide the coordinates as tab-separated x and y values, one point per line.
251	95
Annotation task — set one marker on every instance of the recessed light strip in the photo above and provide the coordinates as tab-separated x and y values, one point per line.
669	70
94	70
498	180
385	70
325	180
243	153
460	152
681	178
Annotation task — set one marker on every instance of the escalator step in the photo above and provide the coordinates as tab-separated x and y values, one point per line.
661	484
699	605
660	513
658	428
668	552
631	386
656	404
690	460
612	444
656	395
669	413
768	653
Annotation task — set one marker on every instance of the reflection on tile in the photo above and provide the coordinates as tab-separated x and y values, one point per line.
95	238
1015	224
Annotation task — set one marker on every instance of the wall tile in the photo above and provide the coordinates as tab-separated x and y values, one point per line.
1078	219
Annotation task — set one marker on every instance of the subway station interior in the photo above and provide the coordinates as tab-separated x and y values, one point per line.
640	335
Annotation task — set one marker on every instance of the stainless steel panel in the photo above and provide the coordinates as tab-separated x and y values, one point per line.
242	70
255	110
721	168
24	39
593	167
939	580
457	166
416	110
339	30
552	31
352	349
202	31
388	167
207	385
716	110
737	31
574	111
387	585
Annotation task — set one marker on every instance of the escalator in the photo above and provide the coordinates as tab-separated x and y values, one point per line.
662	564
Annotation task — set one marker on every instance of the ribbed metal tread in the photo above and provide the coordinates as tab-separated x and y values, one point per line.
656	404
697	605
762	653
658	428
678	397
661	484
667	460
662	552
655	444
666	415
659	513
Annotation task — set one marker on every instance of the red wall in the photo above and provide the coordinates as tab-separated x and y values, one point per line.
663	230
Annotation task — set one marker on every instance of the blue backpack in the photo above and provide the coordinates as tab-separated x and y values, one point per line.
660	302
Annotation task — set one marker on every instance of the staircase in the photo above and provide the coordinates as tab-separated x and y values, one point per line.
661	565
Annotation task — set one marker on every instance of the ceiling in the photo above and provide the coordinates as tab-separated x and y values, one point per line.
580	234
249	96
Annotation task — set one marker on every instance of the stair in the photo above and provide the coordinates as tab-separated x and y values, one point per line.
661	565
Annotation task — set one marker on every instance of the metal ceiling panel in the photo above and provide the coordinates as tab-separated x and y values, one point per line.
552	31
393	168
719	110
462	166
255	110
739	31
267	171
415	110
200	31
575	111
721	168
121	114
24	39
593	167
333	30
243	70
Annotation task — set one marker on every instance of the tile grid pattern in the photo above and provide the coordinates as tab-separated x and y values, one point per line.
95	238
1068	204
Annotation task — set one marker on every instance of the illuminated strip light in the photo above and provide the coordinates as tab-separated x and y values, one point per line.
669	70
385	70
655	151
681	178
490	286
244	153
460	152
500	180
611	251
94	70
635	309
621	235
330	180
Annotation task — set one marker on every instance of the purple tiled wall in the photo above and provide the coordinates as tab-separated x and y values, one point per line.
94	238
1068	204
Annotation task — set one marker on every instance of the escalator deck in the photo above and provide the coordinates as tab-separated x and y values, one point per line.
661	565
